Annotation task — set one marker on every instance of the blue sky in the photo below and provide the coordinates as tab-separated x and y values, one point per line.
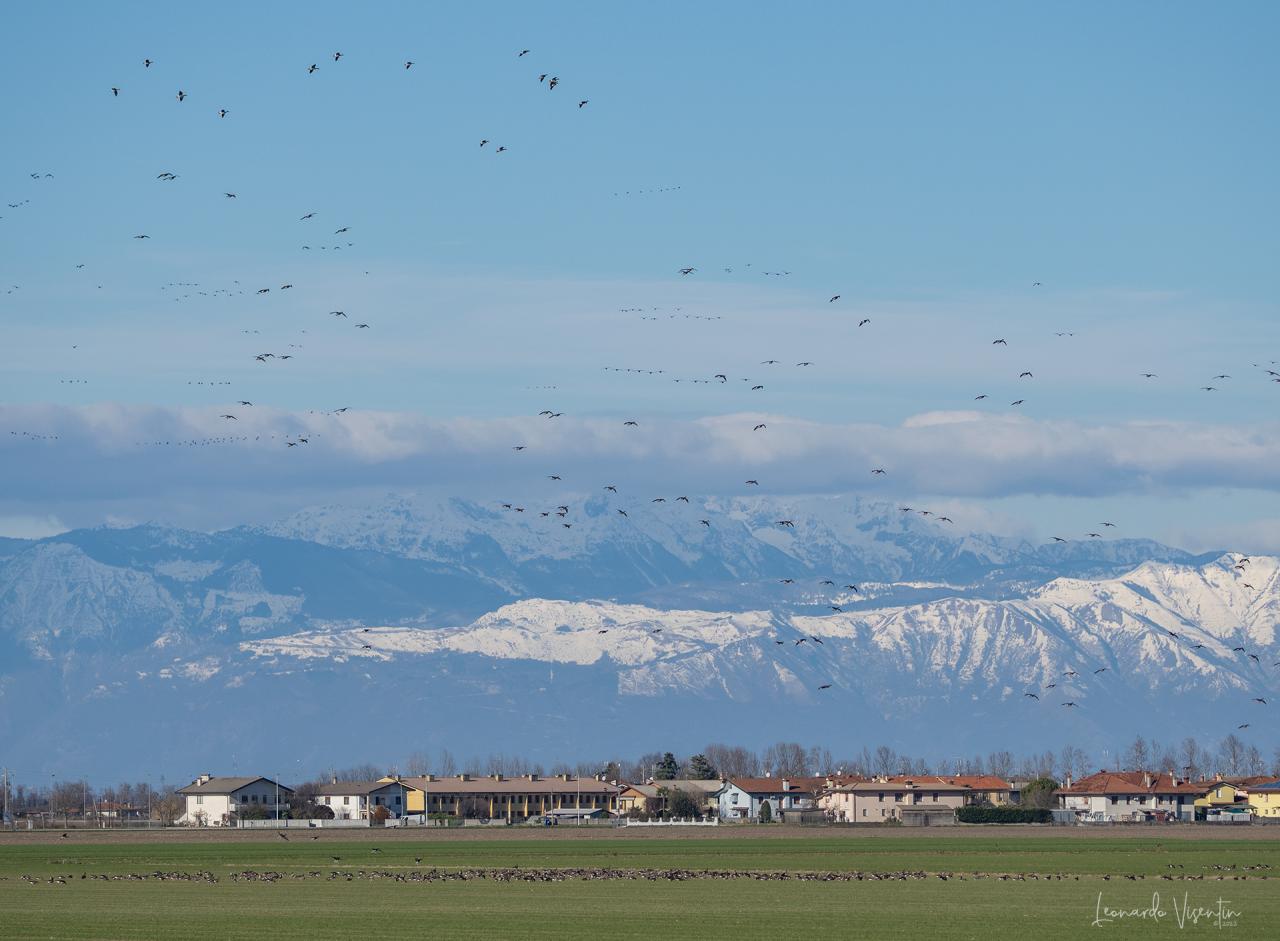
927	162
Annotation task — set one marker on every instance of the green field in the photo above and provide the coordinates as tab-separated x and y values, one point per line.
377	886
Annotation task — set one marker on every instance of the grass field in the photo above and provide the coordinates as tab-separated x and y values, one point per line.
378	887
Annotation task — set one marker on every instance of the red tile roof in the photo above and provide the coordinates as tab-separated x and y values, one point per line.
1135	782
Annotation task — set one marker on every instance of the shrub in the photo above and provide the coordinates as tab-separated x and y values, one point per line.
976	814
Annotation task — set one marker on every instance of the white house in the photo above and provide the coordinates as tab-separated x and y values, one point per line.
1131	795
742	798
212	800
356	800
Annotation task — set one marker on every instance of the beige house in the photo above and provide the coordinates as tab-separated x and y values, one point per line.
1132	795
911	798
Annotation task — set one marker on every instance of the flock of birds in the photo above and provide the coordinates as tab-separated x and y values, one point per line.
561	504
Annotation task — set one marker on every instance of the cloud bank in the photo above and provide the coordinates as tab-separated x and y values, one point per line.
108	451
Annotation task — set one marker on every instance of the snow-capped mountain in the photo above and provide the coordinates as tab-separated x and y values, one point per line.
344	634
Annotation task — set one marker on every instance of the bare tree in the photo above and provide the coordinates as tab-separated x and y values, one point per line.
448	767
787	760
1231	754
1000	764
884	760
364	772
1192	757
1136	756
1253	762
1073	761
819	760
417	764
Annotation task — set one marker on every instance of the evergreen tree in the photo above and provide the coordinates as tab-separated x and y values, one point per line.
668	768
700	769
766	813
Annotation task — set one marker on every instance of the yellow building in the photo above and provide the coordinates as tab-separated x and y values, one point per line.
499	797
1264	800
1218	794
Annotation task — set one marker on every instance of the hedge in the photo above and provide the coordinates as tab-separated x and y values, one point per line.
1004	815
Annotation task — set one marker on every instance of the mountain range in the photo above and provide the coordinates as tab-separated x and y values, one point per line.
352	633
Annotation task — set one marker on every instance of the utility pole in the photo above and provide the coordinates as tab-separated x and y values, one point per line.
4	816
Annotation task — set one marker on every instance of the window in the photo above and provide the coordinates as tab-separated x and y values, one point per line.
1115	800
935	797
880	797
199	798
346	801
864	811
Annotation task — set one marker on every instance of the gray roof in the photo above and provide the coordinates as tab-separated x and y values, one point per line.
226	785
342	788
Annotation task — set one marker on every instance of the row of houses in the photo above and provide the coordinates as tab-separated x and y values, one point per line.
906	799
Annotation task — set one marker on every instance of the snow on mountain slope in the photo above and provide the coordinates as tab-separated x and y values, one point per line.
1087	639
551	631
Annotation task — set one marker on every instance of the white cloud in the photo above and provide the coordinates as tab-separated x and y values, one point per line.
112	451
31	527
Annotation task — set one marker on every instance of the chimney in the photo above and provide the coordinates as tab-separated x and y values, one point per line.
203	779
1217	775
785	785
333	779
497	777
1068	784
1146	779
464	777
428	778
532	777
566	777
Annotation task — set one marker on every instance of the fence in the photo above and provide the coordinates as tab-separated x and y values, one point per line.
286	823
678	822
